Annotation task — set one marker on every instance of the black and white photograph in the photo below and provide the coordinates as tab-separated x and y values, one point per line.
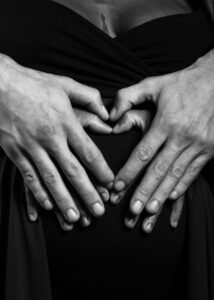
106	149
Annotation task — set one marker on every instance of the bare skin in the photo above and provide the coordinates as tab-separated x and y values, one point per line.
183	125
38	123
115	17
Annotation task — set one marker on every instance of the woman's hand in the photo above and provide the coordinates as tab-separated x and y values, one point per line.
39	127
94	123
142	119
180	140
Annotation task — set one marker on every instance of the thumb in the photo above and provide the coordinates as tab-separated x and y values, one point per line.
84	95
146	90
92	121
133	118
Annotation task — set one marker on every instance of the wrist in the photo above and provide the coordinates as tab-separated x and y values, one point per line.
8	66
206	60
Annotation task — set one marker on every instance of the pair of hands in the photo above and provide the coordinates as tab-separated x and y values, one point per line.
39	126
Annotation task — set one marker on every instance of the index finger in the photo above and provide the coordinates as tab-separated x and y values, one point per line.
140	157
87	96
88	152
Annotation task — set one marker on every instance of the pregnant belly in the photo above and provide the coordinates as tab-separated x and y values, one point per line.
107	250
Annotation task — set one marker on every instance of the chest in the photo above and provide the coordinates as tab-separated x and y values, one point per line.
115	17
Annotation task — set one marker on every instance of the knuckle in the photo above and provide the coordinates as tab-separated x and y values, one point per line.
49	178
62	203
177	212
55	150
193	170
96	95
160	168
187	135
11	148
164	194
40	195
177	171
142	194
46	131
127	175
91	155
88	197
121	93
183	185
14	154
144	153
176	215
72	171
29	176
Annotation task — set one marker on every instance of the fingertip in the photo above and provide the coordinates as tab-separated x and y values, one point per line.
110	185
33	216
72	215
119	185
100	127
116	129
115	198
48	205
115	114
107	129
85	221
174	223
153	206
67	226
136	207
129	223
105	195
147	227
98	209
174	195
105	114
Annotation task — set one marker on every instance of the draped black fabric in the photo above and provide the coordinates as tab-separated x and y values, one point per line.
39	261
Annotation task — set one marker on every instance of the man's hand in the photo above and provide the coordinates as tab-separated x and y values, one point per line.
180	140
94	123
39	127
142	119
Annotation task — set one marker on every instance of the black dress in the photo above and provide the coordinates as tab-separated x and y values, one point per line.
40	261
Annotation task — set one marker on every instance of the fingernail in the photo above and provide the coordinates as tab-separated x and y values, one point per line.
110	185
105	112
119	185
32	216
72	215
130	223
113	112
136	207
98	209
68	226
148	227
48	205
115	198
174	223
174	195
153	206
85	221
105	195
